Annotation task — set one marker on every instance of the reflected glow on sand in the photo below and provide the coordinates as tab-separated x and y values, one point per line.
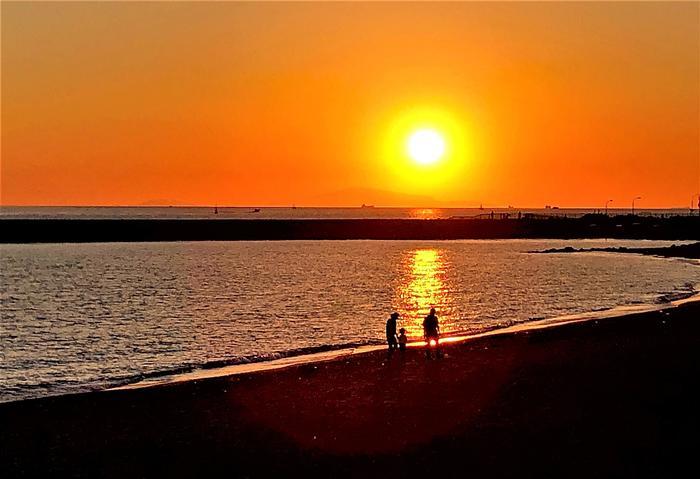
422	287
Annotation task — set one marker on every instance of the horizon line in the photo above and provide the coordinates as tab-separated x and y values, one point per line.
365	206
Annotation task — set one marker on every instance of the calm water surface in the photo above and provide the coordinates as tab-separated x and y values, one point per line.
80	317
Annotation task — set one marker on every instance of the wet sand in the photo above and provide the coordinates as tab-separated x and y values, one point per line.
615	397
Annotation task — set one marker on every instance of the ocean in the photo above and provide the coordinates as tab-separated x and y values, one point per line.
91	316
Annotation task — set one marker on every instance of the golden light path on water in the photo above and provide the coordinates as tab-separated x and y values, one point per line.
424	285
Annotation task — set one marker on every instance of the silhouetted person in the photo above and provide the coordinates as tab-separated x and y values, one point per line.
403	340
431	332
391	331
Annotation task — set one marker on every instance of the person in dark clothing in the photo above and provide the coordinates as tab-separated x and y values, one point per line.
403	340
431	332
391	331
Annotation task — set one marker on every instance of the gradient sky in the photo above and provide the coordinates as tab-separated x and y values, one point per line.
567	104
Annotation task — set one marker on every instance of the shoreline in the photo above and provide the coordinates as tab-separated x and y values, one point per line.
608	398
247	367
321	353
254	367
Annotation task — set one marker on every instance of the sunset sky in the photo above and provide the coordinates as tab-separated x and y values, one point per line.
313	104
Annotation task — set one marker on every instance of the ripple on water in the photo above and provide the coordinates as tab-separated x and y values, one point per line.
75	318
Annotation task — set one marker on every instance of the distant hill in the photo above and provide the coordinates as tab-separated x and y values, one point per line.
379	198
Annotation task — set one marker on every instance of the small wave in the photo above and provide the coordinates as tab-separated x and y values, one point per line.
256	358
76	386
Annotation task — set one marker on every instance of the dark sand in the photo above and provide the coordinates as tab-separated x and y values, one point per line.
608	398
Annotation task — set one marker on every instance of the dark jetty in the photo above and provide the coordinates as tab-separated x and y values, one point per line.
674	251
588	226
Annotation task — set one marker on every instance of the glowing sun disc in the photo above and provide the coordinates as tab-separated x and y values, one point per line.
425	146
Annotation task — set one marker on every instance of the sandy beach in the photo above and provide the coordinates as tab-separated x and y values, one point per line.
603	398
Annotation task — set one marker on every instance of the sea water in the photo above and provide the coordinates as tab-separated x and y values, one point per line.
79	317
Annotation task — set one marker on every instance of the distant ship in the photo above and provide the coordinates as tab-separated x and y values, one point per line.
366	206
256	210
216	210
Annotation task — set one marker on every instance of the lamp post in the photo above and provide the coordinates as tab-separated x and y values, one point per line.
633	200
606	207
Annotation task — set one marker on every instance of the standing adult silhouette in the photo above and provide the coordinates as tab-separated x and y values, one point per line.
431	332
391	332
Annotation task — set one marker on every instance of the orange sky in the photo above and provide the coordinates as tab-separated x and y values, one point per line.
308	104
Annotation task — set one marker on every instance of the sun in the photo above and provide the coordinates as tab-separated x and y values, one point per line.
426	149
425	146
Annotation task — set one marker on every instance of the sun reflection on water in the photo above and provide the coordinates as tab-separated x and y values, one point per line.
423	286
426	213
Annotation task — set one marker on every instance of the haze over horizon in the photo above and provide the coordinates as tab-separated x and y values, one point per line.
273	104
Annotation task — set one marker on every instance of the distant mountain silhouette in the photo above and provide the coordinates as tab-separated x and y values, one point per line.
379	198
349	197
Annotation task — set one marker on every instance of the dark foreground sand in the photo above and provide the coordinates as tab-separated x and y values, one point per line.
612	398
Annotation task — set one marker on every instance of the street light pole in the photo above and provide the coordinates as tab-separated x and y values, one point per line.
606	207
633	200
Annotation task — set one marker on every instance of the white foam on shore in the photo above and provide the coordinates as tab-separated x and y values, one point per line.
286	362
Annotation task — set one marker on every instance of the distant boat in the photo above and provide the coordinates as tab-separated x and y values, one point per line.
216	210
481	207
366	206
294	207
256	210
